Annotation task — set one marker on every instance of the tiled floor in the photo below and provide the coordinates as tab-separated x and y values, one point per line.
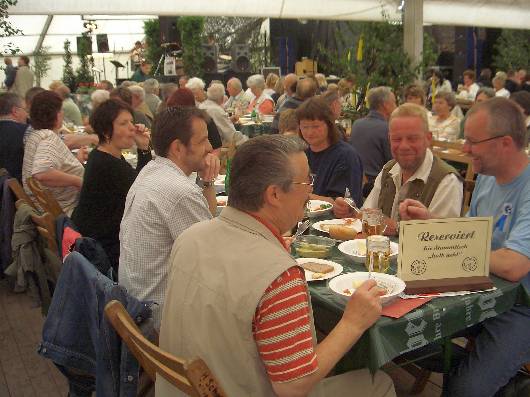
23	373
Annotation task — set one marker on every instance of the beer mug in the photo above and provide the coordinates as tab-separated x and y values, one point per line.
373	221
378	253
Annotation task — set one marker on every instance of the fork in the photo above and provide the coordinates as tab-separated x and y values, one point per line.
301	228
350	202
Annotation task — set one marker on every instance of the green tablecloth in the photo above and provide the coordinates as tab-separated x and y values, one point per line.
389	338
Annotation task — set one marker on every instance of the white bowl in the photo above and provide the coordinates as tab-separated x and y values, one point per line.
344	283
313	206
356	249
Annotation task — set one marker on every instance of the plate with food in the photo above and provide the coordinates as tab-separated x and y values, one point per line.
318	207
222	201
346	284
342	229
356	249
319	269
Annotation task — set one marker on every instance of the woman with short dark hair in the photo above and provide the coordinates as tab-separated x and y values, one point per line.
335	164
109	176
46	157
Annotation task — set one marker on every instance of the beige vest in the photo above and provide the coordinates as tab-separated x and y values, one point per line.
418	190
219	272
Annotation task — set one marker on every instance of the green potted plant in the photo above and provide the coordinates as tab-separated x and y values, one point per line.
191	30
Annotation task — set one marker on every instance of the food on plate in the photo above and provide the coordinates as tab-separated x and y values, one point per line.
317	267
320	207
357	283
347	292
221	203
312	250
341	232
317	276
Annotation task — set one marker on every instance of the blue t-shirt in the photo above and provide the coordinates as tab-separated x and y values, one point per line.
509	205
337	167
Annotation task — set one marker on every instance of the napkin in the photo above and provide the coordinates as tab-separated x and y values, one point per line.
400	307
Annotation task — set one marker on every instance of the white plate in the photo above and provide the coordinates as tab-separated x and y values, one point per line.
315	204
221	201
344	283
356	249
355	225
219	183
309	275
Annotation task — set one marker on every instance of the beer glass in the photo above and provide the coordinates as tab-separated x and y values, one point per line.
373	221
378	253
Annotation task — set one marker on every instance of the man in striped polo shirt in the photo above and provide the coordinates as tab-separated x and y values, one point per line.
237	299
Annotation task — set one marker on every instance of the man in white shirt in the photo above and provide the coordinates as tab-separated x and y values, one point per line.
238	97
163	202
214	107
414	172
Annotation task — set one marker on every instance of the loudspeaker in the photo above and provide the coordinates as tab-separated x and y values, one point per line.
85	41
240	58
169	32
102	42
209	52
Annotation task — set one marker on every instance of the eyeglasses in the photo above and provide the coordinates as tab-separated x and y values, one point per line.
20	107
469	142
310	183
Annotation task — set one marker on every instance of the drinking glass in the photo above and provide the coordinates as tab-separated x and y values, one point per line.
373	221
378	252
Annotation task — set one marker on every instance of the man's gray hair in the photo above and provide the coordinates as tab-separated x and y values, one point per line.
8	101
488	91
259	163
235	83
256	81
216	92
377	96
99	96
151	85
504	119
195	83
137	91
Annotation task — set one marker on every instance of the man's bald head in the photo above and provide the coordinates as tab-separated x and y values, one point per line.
289	83
306	88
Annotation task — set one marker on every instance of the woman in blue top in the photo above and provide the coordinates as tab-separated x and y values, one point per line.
335	164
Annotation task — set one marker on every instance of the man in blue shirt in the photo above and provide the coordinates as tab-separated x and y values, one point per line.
496	138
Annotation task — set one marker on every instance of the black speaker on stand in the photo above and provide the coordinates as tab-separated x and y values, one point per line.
169	32
210	53
240	58
102	42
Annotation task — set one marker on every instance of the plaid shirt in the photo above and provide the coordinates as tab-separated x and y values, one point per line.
161	204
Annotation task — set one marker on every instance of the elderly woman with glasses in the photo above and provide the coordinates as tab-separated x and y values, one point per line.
335	164
262	102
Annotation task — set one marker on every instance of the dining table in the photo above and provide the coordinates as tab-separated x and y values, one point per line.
435	321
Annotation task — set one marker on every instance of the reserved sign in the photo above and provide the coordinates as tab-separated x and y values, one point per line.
444	249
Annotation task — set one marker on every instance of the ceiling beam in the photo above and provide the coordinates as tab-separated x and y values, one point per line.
43	33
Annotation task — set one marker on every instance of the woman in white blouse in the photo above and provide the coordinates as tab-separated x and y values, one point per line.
498	83
443	124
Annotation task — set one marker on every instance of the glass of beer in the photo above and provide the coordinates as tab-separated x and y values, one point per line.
378	252
373	221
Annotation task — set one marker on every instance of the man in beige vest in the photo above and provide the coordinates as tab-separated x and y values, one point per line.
237	299
24	77
413	173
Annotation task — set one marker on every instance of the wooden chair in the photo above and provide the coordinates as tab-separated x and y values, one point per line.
469	186
192	377
44	198
46	227
19	192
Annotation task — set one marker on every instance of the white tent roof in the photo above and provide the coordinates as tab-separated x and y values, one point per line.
487	13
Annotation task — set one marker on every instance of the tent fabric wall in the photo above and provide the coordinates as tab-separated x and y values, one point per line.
486	13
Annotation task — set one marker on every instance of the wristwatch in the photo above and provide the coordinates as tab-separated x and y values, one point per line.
206	183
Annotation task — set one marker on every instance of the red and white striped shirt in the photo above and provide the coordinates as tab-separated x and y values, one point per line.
282	328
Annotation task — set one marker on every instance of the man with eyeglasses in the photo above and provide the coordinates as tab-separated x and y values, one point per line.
237	299
496	138
13	118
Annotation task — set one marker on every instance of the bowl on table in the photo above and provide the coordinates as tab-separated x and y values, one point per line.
313	246
318	208
356	249
346	284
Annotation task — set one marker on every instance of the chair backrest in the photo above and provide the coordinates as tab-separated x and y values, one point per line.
46	228
469	186
19	192
44	198
192	377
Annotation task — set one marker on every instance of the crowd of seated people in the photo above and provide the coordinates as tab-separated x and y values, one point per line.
150	217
